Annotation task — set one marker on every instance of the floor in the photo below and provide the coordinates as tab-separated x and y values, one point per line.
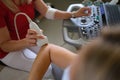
53	30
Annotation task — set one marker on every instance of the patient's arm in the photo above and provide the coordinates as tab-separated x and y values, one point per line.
47	54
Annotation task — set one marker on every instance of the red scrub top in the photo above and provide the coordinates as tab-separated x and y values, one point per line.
7	19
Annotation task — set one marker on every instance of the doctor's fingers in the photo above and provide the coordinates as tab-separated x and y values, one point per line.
31	32
86	11
32	42
35	36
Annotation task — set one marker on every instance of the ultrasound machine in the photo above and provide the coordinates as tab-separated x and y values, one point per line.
89	27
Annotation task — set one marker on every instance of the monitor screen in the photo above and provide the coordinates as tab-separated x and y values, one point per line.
103	15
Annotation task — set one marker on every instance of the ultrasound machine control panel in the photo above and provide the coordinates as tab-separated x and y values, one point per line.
88	26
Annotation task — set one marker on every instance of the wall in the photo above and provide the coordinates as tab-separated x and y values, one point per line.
62	4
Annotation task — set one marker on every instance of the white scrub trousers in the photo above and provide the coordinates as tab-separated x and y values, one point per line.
23	61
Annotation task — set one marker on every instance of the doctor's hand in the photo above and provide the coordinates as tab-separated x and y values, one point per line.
31	37
84	11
